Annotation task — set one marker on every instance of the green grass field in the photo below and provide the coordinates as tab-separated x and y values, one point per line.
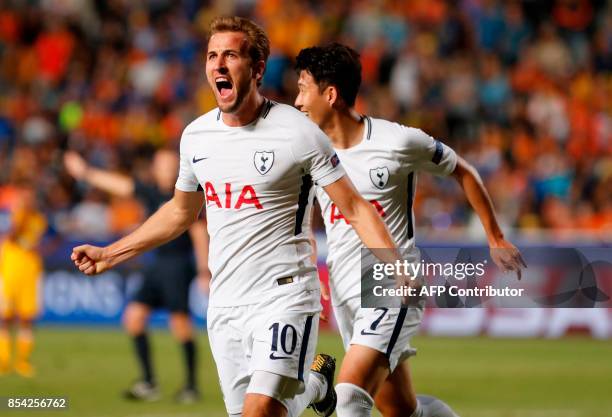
479	377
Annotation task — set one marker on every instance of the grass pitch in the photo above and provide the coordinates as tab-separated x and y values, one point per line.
478	377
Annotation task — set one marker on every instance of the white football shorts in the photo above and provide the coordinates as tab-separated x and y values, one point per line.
279	337
387	330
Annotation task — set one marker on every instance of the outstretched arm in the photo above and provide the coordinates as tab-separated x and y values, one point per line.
111	182
172	219
504	253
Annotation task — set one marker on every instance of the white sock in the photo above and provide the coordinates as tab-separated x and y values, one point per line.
315	391
353	401
428	406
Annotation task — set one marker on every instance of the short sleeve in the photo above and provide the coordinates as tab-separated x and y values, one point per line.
427	154
313	151
186	180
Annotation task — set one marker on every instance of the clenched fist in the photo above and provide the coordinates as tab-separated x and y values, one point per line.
89	259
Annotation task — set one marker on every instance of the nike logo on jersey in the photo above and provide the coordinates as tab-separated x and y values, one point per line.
194	160
365	333
275	358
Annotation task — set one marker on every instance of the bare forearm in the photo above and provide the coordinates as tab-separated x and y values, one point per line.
164	225
479	199
111	182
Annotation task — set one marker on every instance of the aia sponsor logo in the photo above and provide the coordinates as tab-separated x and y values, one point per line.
228	200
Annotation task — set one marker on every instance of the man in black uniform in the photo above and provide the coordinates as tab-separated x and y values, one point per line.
167	279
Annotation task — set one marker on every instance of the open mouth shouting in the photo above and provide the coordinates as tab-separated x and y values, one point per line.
224	87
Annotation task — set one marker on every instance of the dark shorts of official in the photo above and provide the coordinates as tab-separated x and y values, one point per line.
166	284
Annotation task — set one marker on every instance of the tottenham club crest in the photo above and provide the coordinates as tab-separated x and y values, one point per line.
263	161
379	177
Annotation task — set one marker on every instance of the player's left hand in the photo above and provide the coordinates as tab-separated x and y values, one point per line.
507	257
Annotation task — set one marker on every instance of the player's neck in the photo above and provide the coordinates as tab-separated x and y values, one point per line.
248	111
345	129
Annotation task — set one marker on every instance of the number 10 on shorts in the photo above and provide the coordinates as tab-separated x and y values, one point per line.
286	338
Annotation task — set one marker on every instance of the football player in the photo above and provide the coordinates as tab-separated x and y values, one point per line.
382	159
256	161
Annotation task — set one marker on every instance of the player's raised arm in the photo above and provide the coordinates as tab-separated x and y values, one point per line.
172	219
425	153
505	255
111	182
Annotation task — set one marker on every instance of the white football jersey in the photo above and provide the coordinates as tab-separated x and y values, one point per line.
258	185
383	167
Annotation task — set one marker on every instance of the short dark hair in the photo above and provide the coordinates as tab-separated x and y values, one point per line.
334	64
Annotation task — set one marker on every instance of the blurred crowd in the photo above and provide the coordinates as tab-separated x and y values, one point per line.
521	89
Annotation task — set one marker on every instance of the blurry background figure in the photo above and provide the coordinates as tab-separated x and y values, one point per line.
167	278
21	268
